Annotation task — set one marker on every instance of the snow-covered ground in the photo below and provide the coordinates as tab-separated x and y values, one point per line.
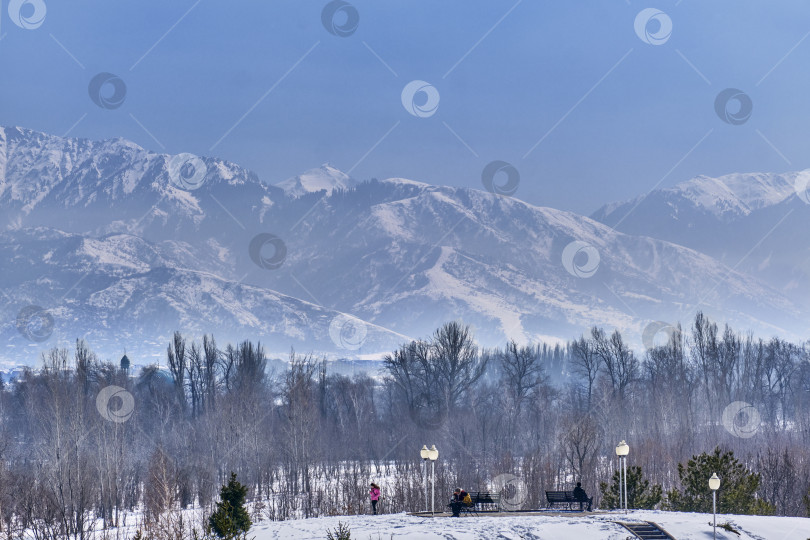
681	526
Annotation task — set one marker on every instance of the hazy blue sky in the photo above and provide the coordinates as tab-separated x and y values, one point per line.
535	75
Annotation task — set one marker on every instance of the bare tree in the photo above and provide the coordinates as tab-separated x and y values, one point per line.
586	363
523	372
177	364
704	352
456	362
620	362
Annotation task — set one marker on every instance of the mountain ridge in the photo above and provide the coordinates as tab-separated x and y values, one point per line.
398	255
727	197
757	228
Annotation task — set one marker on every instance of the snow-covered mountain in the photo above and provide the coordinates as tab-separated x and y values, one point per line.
325	178
120	291
754	222
124	246
416	254
727	198
79	185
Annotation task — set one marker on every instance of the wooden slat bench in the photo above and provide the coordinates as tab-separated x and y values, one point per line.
562	498
485	501
482	501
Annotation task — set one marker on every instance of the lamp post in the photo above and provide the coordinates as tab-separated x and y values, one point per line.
433	455
622	450
423	453
714	485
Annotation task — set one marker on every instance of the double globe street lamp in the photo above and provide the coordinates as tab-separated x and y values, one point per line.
430	454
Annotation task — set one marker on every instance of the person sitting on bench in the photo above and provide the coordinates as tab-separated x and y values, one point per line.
582	497
457	501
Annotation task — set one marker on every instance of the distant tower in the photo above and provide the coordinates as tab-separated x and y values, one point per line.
125	364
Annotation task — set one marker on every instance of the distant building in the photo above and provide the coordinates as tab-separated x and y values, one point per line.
125	364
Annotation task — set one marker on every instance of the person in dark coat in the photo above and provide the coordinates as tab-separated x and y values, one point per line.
457	502
582	497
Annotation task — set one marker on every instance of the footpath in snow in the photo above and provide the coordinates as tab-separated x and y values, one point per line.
596	526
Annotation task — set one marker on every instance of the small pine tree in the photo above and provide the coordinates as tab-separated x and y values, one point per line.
738	486
640	494
231	519
342	532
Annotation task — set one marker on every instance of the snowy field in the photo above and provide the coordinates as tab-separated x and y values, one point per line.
681	526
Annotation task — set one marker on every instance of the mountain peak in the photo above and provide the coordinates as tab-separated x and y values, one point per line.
42	175
728	197
737	193
324	178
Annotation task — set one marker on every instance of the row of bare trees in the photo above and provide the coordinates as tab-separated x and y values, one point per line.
85	445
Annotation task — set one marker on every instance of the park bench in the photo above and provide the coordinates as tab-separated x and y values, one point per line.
482	501
565	498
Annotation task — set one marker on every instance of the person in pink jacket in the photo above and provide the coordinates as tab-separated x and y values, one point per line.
374	494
